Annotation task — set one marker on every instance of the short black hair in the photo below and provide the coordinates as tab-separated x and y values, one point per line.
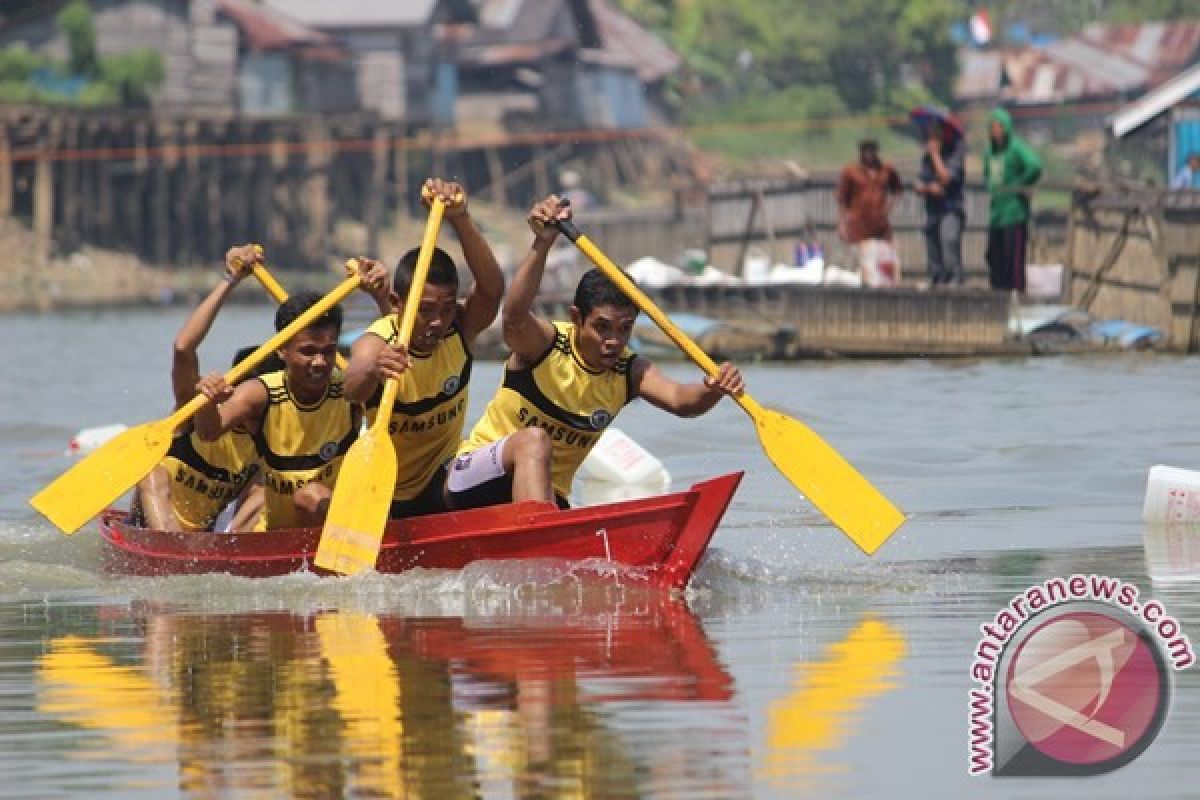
272	363
868	144
297	304
597	289
442	271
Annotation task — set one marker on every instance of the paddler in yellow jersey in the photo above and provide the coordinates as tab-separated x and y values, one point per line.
562	385
198	479
434	370
299	417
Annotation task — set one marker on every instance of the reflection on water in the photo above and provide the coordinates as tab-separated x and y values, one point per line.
807	727
345	703
1173	551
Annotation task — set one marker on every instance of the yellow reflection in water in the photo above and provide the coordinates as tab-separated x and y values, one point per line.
88	689
828	699
366	697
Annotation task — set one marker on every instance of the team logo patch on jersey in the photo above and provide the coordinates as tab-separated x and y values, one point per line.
328	451
451	385
600	419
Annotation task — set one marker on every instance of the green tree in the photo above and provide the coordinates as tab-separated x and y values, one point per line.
75	20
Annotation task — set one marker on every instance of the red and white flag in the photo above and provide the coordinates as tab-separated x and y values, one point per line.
981	27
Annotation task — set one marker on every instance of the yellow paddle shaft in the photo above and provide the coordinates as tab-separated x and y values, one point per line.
251	361
416	288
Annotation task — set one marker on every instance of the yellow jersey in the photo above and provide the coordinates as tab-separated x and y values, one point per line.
299	444
431	405
207	476
559	393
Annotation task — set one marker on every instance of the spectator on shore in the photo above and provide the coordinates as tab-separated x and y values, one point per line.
940	181
866	192
1010	170
1188	176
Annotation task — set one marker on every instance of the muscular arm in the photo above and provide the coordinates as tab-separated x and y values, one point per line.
244	410
185	362
680	399
525	333
361	378
483	302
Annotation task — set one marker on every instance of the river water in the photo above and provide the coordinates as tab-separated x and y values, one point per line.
794	666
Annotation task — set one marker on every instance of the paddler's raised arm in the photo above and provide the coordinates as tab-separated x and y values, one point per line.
482	303
525	333
185	362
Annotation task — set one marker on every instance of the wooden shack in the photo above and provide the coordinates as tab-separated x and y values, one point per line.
1134	254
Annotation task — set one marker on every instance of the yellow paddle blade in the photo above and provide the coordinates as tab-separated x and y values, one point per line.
836	488
358	511
103	475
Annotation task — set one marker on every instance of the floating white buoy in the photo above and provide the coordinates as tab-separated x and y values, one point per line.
618	468
89	439
1172	495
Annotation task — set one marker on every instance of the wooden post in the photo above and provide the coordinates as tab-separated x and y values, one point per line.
135	200
755	204
161	205
186	201
271	193
496	176
105	212
43	196
68	168
316	194
400	160
214	242
6	173
245	221
375	197
607	165
541	175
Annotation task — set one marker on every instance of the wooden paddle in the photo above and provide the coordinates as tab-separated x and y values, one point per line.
279	294
358	511
106	473
813	467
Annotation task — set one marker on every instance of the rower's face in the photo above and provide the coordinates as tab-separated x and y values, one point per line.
435	317
604	334
309	358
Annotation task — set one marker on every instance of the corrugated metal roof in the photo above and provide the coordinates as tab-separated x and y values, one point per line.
1153	103
264	28
1099	66
338	14
629	42
1102	60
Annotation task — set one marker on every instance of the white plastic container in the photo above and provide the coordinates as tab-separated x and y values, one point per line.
1172	496
88	439
618	468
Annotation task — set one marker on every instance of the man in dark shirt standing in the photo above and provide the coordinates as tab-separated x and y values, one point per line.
940	182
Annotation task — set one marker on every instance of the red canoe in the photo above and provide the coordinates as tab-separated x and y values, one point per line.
665	536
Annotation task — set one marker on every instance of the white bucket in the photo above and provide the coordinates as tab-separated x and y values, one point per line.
1172	496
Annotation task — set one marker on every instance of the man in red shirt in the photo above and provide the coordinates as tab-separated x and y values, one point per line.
866	192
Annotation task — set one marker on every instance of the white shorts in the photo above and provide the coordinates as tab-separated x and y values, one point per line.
476	467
